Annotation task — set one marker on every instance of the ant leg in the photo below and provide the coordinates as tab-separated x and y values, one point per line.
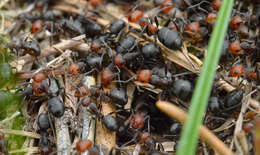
190	61
92	70
52	127
164	136
148	123
184	73
118	81
119	35
143	29
193	6
110	52
160	147
72	84
118	75
116	111
132	140
200	8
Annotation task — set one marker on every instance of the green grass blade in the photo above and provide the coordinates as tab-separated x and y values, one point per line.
201	93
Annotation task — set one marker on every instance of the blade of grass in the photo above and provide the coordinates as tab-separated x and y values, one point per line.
201	94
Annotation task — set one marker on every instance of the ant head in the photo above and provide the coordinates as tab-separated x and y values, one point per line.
37	88
95	3
237	70
107	76
137	121
211	18
39	77
166	6
82	91
86	101
74	69
37	26
83	145
193	29
236	22
96	45
143	21
144	136
119	60
134	16
235	48
144	76
217	4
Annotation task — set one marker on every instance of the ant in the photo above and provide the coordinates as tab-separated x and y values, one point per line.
150	52
170	38
43	122
56	106
166	6
31	47
235	48
234	98
216	4
117	26
236	22
155	77
126	44
118	96
108	120
182	89
37	26
146	140
76	68
45	144
95	3
147	25
120	60
134	16
93	29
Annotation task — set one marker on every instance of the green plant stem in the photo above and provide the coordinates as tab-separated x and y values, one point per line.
189	136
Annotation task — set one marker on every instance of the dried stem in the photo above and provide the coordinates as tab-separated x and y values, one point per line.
68	44
21	133
205	134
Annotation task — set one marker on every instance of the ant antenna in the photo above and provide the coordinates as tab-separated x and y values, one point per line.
119	81
199	7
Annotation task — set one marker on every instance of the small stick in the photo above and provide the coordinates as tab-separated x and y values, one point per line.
205	134
21	133
63	141
3	3
63	138
30	150
103	135
88	129
68	44
10	118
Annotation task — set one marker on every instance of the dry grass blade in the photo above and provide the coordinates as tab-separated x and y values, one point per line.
68	44
88	129
29	150
21	133
205	134
103	135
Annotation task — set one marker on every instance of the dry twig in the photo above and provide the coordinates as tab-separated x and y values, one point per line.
205	134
